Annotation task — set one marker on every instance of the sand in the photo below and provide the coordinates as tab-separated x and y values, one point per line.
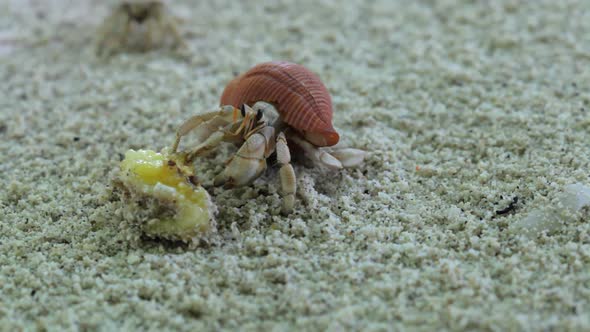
463	107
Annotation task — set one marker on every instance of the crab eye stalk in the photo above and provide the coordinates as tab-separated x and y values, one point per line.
259	115
243	110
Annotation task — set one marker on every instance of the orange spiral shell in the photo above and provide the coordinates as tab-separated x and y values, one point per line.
298	94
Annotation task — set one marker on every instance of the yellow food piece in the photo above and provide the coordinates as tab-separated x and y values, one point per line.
162	177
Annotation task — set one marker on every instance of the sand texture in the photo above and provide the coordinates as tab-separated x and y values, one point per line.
475	114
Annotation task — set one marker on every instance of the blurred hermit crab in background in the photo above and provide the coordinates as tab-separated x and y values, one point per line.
264	110
139	26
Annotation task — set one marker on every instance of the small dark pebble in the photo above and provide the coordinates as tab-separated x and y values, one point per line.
193	179
509	208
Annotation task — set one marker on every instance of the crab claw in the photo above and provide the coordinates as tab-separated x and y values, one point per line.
248	163
241	173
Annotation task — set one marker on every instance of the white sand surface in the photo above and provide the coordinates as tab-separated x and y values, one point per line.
463	106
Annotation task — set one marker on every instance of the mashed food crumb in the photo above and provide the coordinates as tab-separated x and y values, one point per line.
172	204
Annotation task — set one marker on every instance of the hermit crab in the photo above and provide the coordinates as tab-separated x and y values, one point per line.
138	25
265	109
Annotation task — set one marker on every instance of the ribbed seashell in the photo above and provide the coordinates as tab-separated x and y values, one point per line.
298	94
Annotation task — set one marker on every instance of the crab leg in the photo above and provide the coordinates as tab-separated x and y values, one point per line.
348	157
212	122
152	27
315	154
170	25
335	158
110	35
286	173
211	142
219	135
